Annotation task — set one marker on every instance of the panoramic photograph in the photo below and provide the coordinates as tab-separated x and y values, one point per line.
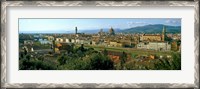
100	44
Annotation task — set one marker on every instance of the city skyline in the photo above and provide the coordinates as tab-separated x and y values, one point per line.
109	46
68	25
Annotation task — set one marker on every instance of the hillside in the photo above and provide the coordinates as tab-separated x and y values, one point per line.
152	29
95	31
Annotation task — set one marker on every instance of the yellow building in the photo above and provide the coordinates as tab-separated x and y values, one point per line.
150	37
147	37
116	44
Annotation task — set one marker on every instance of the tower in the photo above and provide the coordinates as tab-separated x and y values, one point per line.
54	43
101	32
76	30
163	33
111	31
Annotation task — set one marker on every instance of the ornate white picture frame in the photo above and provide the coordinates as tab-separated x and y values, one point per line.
137	4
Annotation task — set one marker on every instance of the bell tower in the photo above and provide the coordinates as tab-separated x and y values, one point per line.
54	43
163	33
76	30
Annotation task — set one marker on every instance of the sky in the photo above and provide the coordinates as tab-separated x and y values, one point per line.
68	25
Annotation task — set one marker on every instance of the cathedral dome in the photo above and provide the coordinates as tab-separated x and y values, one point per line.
111	31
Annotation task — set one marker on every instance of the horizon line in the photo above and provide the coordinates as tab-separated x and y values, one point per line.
91	29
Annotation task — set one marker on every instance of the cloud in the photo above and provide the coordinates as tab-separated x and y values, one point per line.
172	21
137	23
134	24
167	21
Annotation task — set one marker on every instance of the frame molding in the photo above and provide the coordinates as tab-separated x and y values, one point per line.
5	4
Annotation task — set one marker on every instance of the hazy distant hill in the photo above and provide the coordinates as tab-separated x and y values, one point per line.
157	28
92	31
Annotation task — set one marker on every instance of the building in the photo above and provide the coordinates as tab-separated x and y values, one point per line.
59	40
111	31
73	40
150	38
76	30
158	46
154	37
101	32
50	38
45	41
67	40
114	56
28	48
174	46
115	44
28	42
164	33
142	45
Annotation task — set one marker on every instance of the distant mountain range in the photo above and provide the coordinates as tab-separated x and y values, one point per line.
157	28
92	31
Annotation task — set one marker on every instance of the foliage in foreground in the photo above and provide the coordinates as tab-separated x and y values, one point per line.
90	59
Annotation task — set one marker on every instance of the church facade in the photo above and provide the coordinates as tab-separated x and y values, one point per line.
154	42
153	38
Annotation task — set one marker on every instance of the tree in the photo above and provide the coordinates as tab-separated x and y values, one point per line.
176	62
68	47
105	52
33	64
21	55
174	46
28	57
62	60
166	64
123	59
82	48
25	51
100	62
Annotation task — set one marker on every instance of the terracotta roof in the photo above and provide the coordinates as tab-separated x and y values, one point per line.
150	35
58	45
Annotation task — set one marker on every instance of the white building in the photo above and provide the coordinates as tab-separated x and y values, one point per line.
44	41
28	42
67	40
50	38
59	39
160	46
